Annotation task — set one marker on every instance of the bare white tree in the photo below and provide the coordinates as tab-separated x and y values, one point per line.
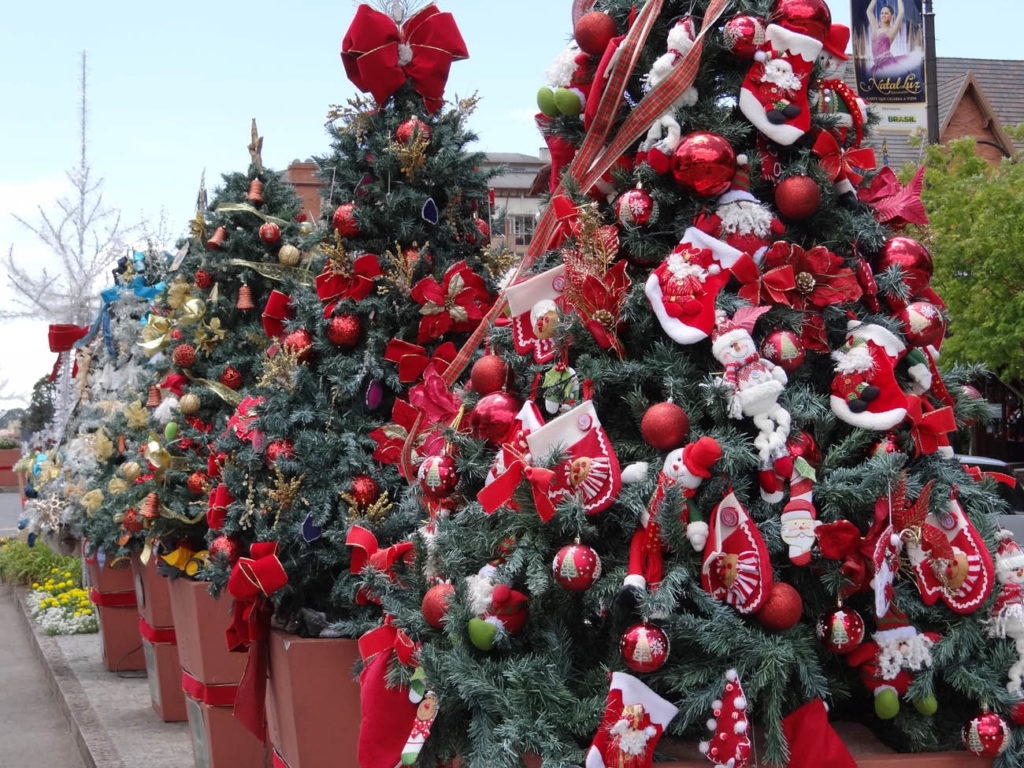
84	235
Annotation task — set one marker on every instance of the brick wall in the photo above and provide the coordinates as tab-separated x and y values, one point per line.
302	176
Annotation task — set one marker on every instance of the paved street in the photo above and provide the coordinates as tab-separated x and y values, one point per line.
10	513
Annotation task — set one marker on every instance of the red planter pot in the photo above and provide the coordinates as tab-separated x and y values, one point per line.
113	594
8	478
313	711
210	674
159	640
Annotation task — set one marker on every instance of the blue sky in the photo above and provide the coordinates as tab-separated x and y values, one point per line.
173	87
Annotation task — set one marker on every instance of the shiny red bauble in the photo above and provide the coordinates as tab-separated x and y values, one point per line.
203	279
231	378
801	444
270	233
483	228
644	647
300	343
807	17
665	426
785	349
912	257
704	164
344	220
184	355
782	609
923	324
364	491
435	604
634	208
494	416
576	567
412	130
841	630
743	36
488	374
986	735
224	548
437	477
797	197
279	449
345	331
594	31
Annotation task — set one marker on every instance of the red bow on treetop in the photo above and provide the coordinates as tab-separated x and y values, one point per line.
379	55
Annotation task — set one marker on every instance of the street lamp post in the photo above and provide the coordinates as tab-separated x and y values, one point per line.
930	75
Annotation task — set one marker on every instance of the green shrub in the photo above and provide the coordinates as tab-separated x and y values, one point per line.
25	565
8	442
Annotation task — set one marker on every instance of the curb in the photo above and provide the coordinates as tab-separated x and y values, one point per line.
94	744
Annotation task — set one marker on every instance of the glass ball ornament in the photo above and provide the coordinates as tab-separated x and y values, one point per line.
289	255
231	378
785	349
923	324
593	31
344	220
743	36
576	567
806	17
435	604
635	208
782	609
801	444
437	477
300	343
986	735
665	426
704	163
224	548
797	197
912	257
488	374
364	491
184	355
494	416
189	403
270	233
412	130
345	331
279	449
644	647
841	630
198	484
203	279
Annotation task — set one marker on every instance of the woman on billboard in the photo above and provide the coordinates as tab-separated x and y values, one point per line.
885	30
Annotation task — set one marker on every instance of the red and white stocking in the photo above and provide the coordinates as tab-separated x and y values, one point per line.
736	567
535	308
634	719
865	393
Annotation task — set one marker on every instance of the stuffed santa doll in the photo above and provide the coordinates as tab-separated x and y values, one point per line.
1007	618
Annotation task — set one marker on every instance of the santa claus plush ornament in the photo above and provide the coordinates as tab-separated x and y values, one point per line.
1007	618
729	746
634	719
864	391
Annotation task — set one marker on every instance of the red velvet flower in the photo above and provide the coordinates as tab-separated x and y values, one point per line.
347	281
800	279
456	304
599	302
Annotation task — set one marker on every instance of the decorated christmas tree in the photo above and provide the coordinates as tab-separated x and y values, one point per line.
709	480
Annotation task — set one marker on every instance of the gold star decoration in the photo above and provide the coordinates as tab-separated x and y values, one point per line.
280	368
399	267
285	493
256	148
376	513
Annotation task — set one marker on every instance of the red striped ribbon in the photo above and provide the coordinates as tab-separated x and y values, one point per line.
156	634
113	599
213	695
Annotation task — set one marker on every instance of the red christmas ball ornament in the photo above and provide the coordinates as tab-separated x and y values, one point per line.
634	208
576	567
279	449
203	279
704	164
841	630
488	374
435	604
785	349
231	378
364	491
437	477
224	548
483	228
1017	713
986	735
923	324
887	444
345	331
665	426
807	17
344	220
270	233
782	609
743	36
493	417
644	647
912	257
594	31
797	197
198	484
299	342
412	130
801	444
184	355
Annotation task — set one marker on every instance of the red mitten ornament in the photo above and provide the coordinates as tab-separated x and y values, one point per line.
534	306
729	746
634	719
736	566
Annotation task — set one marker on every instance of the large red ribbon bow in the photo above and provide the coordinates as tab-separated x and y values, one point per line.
385	638
412	359
843	164
930	424
343	281
379	55
366	553
499	493
252	581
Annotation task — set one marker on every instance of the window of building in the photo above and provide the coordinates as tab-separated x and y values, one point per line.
522	228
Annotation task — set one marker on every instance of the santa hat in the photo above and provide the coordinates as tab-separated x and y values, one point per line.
739	188
812	740
894	626
836	40
700	455
1009	556
730	329
730	740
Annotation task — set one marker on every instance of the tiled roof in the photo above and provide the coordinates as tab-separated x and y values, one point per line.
512	158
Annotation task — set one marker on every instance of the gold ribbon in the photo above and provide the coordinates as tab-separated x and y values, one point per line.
276	272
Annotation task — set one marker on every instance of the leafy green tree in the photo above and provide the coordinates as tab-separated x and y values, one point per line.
40	409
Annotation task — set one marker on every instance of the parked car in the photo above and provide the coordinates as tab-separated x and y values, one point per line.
1013	495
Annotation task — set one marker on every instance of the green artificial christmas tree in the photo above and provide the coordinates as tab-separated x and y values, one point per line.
709	469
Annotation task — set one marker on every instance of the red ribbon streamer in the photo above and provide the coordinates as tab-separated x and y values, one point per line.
213	695
156	635
113	599
252	581
499	493
428	42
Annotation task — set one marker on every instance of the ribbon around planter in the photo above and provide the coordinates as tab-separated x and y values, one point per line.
156	635
252	581
213	695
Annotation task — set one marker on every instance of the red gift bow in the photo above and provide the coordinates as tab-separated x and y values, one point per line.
379	56
385	638
843	164
412	359
499	493
252	581
365	553
355	282
276	312
62	339
929	424
895	204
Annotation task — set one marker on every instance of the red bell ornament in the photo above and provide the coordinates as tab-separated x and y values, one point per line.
704	163
576	567
986	735
494	416
634	208
923	324
743	35
785	349
437	477
665	426
344	220
644	647
912	257
435	604
841	630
